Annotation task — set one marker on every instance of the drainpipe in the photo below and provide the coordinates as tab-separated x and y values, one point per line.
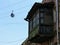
57	21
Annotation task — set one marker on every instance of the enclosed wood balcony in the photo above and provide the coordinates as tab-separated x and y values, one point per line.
41	25
38	35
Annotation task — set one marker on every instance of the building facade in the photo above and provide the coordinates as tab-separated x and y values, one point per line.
54	10
42	23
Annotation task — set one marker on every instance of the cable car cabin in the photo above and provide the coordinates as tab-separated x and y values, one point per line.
41	24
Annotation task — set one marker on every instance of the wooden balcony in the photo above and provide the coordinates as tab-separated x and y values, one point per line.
41	36
37	33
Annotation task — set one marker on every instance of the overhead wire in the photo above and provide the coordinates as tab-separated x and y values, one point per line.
16	3
12	23
12	4
17	12
9	41
18	9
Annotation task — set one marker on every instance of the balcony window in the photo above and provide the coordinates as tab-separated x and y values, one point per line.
48	18
41	15
45	29
35	19
30	26
42	21
41	9
42	18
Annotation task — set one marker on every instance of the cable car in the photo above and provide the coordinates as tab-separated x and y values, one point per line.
12	14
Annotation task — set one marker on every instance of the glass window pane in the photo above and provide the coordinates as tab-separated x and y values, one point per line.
34	22
30	25
46	29
42	20
37	19
41	14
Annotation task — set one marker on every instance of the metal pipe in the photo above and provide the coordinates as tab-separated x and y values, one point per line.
57	21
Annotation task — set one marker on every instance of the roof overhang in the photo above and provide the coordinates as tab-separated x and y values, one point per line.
38	6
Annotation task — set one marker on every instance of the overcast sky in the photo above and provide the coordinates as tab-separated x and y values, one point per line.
13	31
